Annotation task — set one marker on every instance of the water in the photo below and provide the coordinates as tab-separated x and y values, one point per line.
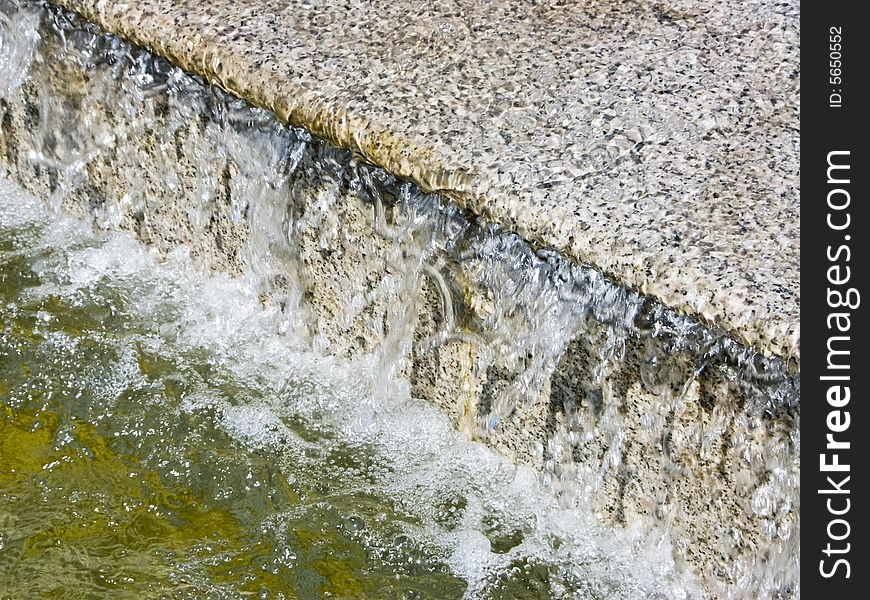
160	437
282	200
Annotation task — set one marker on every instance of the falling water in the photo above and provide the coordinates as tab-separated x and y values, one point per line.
267	203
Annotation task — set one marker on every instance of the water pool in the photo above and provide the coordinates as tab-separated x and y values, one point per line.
163	436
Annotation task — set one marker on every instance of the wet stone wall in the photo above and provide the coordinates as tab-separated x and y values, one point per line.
649	418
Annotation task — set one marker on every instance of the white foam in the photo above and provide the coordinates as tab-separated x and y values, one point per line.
430	463
18	37
19	209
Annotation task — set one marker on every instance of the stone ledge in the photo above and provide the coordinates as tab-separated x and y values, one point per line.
658	144
643	416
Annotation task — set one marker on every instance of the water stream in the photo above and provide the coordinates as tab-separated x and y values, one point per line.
243	459
162	437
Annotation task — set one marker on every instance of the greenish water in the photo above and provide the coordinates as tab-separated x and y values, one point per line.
110	486
162	436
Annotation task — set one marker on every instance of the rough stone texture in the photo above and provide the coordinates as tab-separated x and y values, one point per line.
711	457
658	142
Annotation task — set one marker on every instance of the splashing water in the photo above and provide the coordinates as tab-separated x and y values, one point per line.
271	206
234	464
18	37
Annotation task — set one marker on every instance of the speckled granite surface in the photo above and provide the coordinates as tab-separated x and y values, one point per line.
658	142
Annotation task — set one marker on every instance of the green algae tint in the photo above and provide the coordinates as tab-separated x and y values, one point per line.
109	489
164	435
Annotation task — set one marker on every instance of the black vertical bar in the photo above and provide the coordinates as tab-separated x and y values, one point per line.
835	227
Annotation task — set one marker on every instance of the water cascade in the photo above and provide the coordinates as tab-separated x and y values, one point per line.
627	414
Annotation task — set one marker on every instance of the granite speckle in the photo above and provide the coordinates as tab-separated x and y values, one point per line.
659	143
624	423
